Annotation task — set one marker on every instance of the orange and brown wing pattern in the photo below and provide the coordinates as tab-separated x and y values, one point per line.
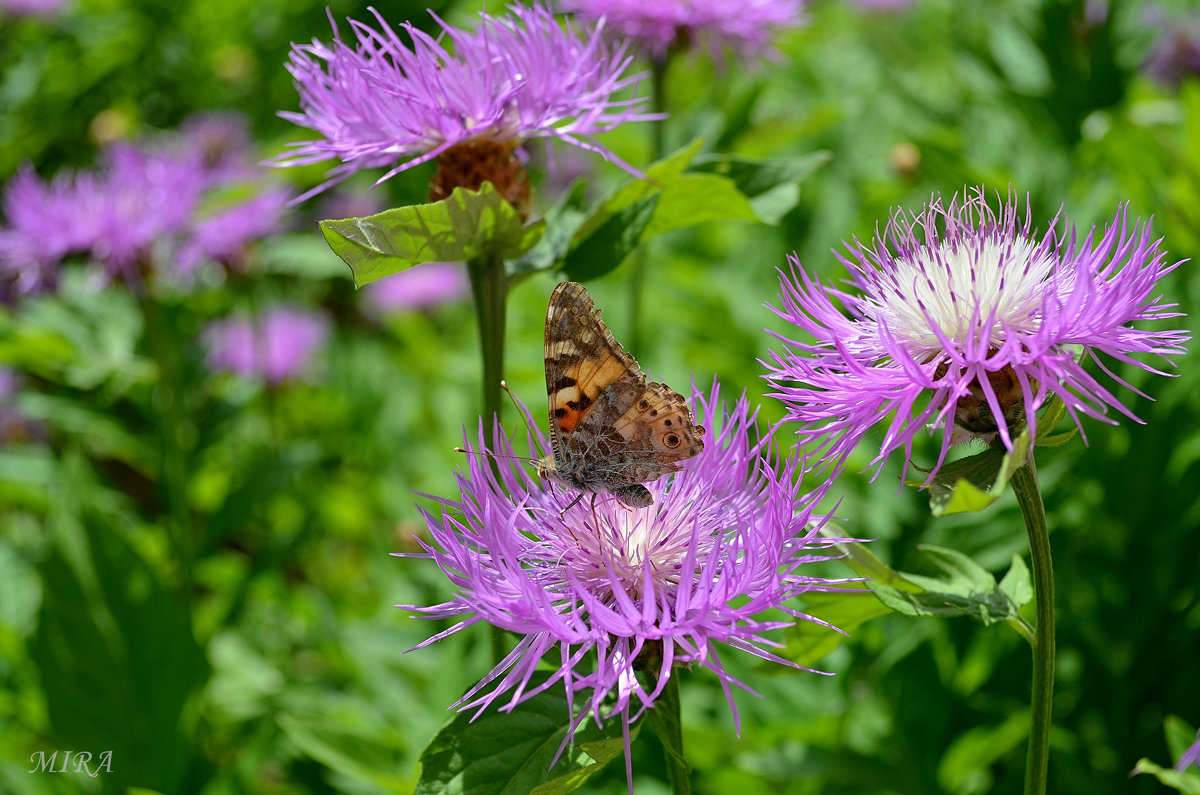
582	357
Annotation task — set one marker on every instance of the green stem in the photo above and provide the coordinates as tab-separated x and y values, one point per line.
1025	486
668	726
637	279
164	348
489	287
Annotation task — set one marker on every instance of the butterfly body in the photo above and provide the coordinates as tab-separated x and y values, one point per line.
610	429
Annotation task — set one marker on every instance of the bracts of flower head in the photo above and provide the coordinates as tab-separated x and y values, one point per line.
963	317
468	98
619	590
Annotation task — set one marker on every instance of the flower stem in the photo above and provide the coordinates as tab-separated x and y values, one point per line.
665	719
164	349
1025	486
489	287
637	279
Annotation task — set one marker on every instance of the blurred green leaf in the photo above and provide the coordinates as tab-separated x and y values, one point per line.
510	752
965	767
120	663
846	608
771	184
358	752
466	225
1182	780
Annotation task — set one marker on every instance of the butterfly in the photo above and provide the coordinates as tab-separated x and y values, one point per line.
610	429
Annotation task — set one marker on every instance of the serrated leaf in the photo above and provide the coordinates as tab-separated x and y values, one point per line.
845	608
771	185
610	243
464	226
971	484
505	753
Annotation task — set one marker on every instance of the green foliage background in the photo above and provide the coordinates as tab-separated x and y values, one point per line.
286	672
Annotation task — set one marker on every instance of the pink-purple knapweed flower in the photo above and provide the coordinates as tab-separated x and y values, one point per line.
277	345
745	27
610	590
964	318
424	286
32	8
151	207
390	101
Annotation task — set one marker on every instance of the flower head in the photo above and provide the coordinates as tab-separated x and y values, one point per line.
275	346
744	26
617	589
1175	55
472	95
963	318
225	236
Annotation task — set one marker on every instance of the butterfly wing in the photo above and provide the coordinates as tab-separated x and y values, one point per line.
609	428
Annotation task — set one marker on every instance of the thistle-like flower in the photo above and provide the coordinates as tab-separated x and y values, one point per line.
617	590
963	318
745	27
467	98
276	346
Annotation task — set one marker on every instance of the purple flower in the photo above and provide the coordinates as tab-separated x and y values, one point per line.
615	589
40	8
222	141
115	214
1176	54
226	235
424	286
959	316
276	346
744	26
384	102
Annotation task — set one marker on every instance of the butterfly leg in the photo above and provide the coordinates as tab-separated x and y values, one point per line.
575	502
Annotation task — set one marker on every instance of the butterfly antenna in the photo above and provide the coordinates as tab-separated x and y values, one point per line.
520	409
489	454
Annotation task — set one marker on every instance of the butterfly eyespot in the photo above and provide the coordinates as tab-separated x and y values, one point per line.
667	423
643	404
671	440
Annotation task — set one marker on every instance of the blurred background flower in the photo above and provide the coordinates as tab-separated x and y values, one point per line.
277	345
421	287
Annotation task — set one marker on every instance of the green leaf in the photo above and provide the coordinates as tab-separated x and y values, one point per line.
1018	583
354	751
1182	780
969	589
971	484
123	665
510	752
611	242
1052	415
966	764
846	608
466	225
772	185
562	222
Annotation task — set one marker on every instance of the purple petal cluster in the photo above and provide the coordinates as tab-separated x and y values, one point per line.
393	101
278	345
745	27
1175	55
962	314
427	285
607	589
142	207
